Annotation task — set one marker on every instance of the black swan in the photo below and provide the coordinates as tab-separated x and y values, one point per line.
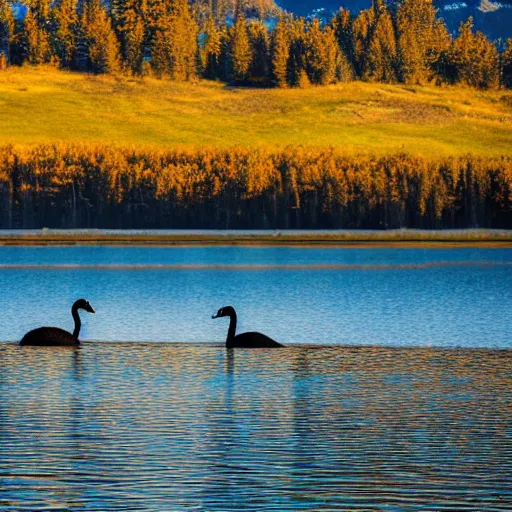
53	336
247	339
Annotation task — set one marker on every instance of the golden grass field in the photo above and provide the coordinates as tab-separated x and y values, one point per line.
44	105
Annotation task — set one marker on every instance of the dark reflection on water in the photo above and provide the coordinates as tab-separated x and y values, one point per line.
152	427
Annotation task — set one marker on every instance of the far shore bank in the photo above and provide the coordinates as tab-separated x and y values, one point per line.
335	238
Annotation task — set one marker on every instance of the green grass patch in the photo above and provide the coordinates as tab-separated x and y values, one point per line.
41	105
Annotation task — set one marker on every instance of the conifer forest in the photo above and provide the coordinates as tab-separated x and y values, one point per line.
258	46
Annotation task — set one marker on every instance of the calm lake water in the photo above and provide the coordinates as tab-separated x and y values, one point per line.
397	297
395	392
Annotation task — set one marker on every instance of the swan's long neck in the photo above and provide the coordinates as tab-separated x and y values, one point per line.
232	329
78	323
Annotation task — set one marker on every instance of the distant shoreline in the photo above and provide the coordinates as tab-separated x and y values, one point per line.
300	238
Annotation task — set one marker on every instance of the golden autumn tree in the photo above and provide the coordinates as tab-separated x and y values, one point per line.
382	49
315	54
506	65
240	49
134	46
183	35
102	44
487	72
416	27
362	29
280	51
175	43
260	46
342	25
323	56
6	33
77	186
156	18
473	59
129	21
211	49
337	67
297	74
64	18
36	34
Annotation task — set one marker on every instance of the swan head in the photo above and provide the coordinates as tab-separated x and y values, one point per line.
225	311
83	304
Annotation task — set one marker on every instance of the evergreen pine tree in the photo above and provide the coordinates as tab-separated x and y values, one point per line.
64	30
342	26
421	40
280	54
439	47
506	65
157	18
182	38
175	43
41	11
315	54
134	46
160	55
382	52
6	33
362	28
297	59
337	67
323	54
379	8
460	54
36	40
36	34
486	63
129	22
211	50
411	59
225	68
240	49
260	46
473	59
81	50
102	44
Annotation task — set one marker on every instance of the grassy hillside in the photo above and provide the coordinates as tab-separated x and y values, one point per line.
47	106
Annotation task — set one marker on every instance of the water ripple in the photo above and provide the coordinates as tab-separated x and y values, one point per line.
152	427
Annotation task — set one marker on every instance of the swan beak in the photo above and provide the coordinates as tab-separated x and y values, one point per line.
215	315
92	311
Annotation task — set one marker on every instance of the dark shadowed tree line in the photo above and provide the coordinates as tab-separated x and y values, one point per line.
76	187
404	42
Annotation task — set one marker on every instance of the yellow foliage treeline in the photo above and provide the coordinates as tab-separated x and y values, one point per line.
297	187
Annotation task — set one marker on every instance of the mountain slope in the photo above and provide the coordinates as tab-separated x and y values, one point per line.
492	18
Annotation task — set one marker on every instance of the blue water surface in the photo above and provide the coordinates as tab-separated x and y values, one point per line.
393	394
393	297
156	427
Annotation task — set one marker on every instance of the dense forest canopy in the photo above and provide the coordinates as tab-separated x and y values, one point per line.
107	187
404	42
493	18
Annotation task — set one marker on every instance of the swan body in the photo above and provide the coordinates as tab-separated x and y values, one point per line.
54	336
247	339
